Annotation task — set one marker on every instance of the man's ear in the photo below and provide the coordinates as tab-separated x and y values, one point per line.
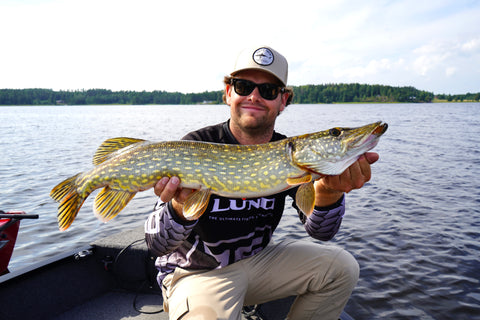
284	101
228	93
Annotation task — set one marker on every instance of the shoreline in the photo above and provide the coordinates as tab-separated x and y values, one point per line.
221	104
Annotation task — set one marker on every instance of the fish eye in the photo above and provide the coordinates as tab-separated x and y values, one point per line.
335	132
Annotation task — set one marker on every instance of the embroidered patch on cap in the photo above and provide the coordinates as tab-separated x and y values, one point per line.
263	56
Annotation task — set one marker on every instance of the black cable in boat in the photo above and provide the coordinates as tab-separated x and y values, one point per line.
115	261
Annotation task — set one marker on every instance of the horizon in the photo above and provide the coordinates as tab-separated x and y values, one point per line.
200	92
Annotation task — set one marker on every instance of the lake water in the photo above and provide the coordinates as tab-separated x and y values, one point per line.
415	228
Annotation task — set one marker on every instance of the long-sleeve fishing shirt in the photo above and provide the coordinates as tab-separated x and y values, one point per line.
230	229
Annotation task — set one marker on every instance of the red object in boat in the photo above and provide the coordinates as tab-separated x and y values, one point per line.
8	236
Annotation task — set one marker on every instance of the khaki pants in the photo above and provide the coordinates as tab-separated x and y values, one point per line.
321	276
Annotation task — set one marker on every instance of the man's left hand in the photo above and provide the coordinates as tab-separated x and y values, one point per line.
330	188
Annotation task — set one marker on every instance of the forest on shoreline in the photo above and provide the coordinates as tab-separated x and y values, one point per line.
306	94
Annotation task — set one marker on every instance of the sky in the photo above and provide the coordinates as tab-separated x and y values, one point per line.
189	46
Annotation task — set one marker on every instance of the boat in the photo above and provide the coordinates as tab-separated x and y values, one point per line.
9	225
111	278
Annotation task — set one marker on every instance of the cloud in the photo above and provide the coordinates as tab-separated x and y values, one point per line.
445	55
450	71
431	56
472	45
373	68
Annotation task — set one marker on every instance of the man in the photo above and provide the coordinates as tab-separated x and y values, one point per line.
211	267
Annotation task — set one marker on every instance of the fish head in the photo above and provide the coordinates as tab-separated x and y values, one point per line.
332	151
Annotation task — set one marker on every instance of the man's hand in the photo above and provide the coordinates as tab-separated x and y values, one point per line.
168	189
329	189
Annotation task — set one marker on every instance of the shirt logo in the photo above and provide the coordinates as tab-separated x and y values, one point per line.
239	204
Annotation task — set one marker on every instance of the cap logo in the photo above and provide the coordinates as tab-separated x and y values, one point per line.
263	56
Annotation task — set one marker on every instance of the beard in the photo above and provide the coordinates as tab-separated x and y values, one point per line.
254	122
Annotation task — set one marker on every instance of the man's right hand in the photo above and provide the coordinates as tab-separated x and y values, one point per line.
169	189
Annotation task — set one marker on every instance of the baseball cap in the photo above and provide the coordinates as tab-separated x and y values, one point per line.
262	58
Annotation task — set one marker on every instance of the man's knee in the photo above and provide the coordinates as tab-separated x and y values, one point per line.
347	268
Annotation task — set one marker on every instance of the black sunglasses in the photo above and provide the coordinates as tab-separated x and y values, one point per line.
267	91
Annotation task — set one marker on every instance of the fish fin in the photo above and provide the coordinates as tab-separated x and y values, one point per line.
305	198
196	204
70	202
307	177
64	188
108	203
329	168
68	210
105	150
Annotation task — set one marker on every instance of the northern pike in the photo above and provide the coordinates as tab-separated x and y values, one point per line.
125	166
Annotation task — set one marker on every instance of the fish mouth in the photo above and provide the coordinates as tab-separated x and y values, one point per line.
381	129
362	141
370	140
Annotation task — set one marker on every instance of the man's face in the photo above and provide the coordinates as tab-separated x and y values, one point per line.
252	113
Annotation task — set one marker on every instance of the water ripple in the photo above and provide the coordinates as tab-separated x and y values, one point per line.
414	229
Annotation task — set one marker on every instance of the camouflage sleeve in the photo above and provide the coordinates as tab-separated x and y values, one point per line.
323	223
165	231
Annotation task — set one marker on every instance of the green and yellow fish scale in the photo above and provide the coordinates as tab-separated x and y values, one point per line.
125	166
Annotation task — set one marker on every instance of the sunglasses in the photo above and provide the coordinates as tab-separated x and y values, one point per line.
268	91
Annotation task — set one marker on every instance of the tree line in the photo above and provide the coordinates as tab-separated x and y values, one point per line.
102	96
460	97
354	92
306	94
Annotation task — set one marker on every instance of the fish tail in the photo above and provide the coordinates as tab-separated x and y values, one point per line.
70	202
60	191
